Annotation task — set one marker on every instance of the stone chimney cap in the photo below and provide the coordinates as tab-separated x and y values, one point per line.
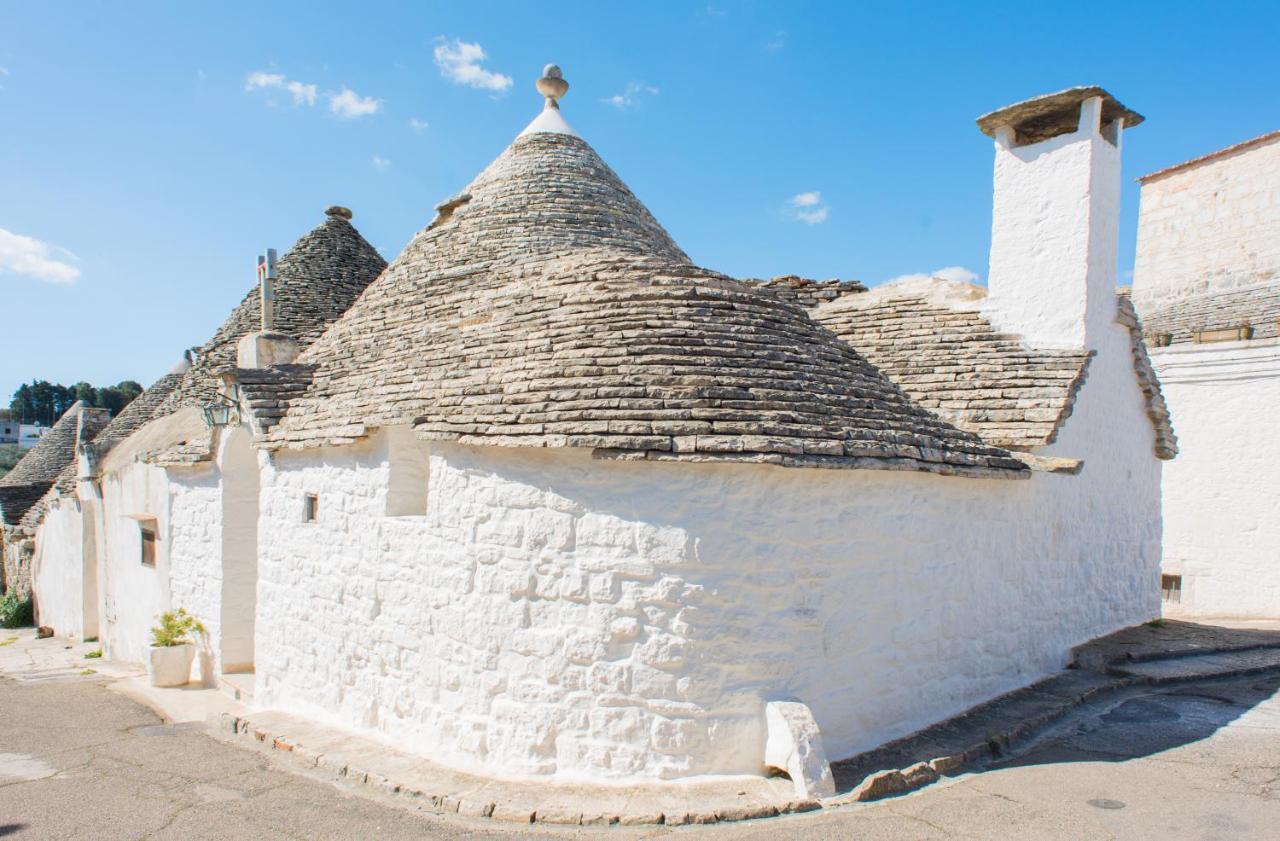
1053	114
337	211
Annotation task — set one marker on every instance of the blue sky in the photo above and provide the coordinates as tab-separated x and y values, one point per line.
149	151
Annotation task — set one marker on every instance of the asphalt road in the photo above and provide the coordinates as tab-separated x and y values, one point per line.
78	761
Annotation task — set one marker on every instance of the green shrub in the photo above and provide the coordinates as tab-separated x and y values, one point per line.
175	628
16	612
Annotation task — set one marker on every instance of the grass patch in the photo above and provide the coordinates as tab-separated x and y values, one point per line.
93	655
87	672
1155	623
9	641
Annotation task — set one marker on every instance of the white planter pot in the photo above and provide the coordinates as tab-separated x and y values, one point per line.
171	665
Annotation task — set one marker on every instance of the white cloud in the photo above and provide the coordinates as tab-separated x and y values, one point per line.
380	163
28	257
349	105
459	62
303	93
955	274
418	126
808	208
777	42
630	96
3	72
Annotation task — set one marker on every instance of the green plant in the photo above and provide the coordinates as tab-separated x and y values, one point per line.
9	641
176	628
93	655
16	612
1155	623
87	672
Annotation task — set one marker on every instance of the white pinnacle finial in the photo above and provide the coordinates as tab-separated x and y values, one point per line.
552	85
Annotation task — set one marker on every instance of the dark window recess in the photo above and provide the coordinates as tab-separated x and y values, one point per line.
147	530
312	508
1171	588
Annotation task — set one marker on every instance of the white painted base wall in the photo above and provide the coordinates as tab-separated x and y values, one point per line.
1222	493
555	615
63	572
133	595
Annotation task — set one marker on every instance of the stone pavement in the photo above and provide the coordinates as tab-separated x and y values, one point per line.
1120	668
1186	761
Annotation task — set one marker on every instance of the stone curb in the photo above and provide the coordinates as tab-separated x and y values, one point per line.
483	807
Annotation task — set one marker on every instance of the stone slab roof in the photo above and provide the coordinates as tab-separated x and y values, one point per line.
1258	306
546	307
1053	114
954	362
36	472
933	341
319	278
807	292
1166	445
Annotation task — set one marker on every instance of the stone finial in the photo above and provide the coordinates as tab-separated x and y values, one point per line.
552	85
337	211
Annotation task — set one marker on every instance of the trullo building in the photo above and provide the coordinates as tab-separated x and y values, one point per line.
550	500
1207	281
156	510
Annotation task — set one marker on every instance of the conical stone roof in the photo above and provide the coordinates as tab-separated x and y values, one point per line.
319	278
545	306
39	468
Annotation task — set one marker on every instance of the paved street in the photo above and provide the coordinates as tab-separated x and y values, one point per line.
79	761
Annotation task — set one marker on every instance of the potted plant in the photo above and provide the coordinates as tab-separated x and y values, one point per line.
172	648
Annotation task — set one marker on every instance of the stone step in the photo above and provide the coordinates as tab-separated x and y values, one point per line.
238	686
1201	666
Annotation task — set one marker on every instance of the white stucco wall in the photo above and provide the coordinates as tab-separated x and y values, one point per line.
1210	226
133	595
1222	497
195	557
552	614
63	572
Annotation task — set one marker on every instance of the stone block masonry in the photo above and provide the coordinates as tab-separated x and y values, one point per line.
557	616
1210	225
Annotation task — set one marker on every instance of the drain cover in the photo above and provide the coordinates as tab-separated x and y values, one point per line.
1104	803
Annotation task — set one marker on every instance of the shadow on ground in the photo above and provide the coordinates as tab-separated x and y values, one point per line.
1148	722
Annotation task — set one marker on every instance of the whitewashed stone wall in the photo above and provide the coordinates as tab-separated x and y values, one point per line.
555	615
195	557
1221	495
1213	225
62	576
133	594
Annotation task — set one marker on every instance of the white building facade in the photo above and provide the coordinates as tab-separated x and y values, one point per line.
1207	279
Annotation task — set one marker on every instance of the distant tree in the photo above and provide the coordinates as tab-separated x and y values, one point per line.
44	402
83	391
9	455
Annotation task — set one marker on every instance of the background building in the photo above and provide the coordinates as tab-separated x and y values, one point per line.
1207	283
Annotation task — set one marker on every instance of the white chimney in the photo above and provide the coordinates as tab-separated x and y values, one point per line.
1056	218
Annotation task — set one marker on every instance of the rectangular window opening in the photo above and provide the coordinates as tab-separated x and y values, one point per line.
311	509
147	531
1171	588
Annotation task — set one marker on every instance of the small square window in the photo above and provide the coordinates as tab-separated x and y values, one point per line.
147	532
1171	588
311	508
